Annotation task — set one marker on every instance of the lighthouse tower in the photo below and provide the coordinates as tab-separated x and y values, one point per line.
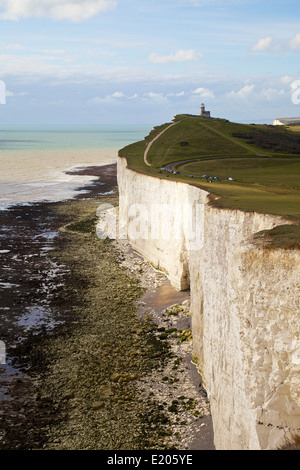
203	113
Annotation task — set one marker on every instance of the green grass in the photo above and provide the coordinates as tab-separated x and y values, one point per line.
265	172
265	139
293	127
200	140
282	235
264	160
86	225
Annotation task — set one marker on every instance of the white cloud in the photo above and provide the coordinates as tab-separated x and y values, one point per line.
181	55
117	94
287	79
271	93
21	93
204	93
115	98
33	66
295	42
133	97
41	66
179	93
243	92
262	44
108	99
72	10
259	92
112	98
153	95
14	47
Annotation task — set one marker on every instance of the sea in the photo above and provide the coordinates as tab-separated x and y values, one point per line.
34	160
34	166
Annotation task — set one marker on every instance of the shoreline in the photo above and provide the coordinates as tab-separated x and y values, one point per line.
76	189
72	311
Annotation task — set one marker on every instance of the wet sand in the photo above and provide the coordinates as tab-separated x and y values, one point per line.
84	335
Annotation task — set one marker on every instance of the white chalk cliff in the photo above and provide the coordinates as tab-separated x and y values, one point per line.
244	305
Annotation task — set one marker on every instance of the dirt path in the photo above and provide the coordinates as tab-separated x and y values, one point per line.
156	138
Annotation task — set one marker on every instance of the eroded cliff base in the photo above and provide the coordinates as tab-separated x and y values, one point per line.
177	386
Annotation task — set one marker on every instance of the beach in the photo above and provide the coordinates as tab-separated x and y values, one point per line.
98	345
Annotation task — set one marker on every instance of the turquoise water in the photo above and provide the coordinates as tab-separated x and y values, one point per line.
66	137
34	160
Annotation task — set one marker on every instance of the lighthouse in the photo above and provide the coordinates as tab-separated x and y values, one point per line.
203	113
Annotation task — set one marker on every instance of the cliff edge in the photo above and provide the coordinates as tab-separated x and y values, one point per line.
244	303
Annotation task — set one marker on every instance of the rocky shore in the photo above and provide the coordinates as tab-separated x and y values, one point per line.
98	342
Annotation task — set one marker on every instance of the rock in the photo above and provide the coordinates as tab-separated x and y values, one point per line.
106	392
123	378
97	406
115	377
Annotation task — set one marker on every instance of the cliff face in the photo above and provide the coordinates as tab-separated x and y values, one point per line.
244	304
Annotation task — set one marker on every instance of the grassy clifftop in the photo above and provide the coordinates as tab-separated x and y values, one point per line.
248	167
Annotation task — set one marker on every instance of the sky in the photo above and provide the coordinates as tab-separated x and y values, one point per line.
142	62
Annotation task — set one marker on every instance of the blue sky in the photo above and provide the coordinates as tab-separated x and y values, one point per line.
141	62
